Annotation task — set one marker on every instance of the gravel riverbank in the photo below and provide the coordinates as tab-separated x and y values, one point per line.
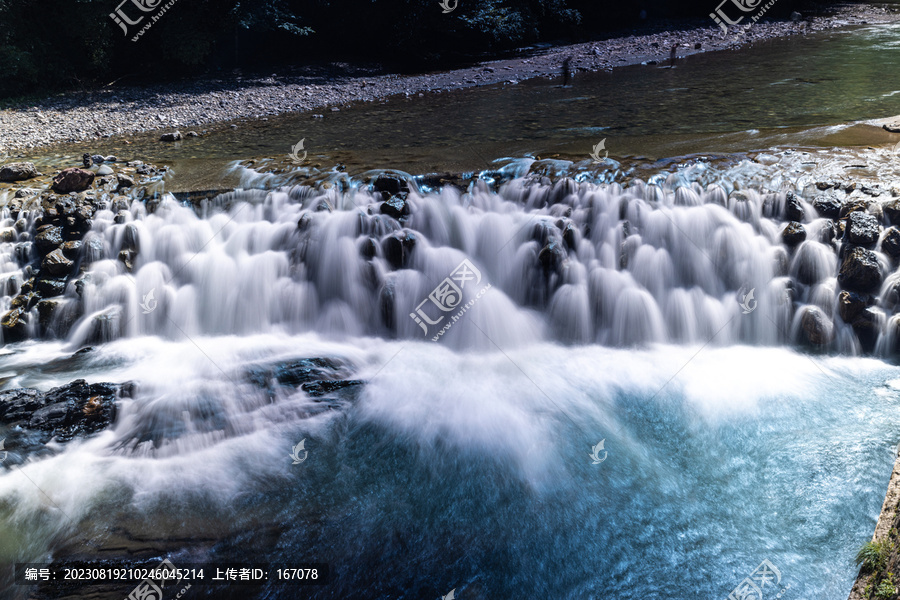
193	105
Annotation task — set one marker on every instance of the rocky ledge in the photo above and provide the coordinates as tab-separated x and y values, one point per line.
30	419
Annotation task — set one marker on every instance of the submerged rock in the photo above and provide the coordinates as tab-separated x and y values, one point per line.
77	409
793	234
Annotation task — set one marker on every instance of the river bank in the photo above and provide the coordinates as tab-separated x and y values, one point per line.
219	102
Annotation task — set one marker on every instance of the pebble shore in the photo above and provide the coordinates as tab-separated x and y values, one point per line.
123	111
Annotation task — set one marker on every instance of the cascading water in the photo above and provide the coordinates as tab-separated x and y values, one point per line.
463	463
570	262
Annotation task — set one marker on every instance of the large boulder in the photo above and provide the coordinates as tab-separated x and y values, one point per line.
862	229
793	208
827	206
48	238
890	244
851	304
398	248
860	271
816	329
56	263
33	418
72	180
18	171
891	209
793	234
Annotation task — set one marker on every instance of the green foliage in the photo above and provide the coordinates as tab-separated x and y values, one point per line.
886	590
873	556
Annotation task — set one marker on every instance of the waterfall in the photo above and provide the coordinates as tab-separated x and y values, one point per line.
572	262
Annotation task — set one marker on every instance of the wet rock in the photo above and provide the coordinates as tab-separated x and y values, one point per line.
18	171
368	248
318	389
851	304
827	206
56	263
793	207
77	409
890	243
127	257
862	229
7	234
49	287
49	238
104	170
860	271
852	205
866	326
793	234
124	181
816	328
395	207
552	256
14	324
170	137
390	186
891	210
70	249
72	180
304	222
398	248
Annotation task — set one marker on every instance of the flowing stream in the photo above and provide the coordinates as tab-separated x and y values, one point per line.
492	339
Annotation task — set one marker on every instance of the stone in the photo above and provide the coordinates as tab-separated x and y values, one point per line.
170	137
793	208
72	180
862	229
49	238
827	206
395	207
860	271
56	263
816	328
890	243
793	234
50	287
398	248
124	181
18	171
851	304
104	170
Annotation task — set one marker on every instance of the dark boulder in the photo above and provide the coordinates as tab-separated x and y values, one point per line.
815	327
860	271
49	287
827	206
173	136
851	304
14	324
891	210
793	207
862	229
56	263
398	248
395	207
793	234
867	327
390	185
72	180
35	418
18	171
48	239
852	205
890	244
